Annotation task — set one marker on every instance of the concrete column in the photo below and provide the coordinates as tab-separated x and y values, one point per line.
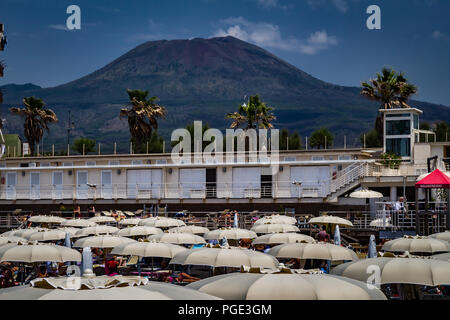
393	193
373	208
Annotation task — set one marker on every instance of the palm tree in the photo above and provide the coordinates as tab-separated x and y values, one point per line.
143	116
391	89
255	115
37	118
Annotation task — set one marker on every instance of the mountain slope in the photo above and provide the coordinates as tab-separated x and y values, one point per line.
203	79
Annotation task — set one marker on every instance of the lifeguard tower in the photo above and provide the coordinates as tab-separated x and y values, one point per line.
401	131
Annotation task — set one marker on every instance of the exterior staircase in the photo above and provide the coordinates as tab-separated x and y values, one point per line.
348	179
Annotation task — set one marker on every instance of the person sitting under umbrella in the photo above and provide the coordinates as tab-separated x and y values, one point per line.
112	266
323	236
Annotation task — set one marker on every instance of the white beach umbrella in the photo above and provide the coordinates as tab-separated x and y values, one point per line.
427	272
177	238
37	253
215	257
278	219
285	286
138	231
46	219
330	220
442	256
102	288
323	251
12	239
10	232
274	228
441	236
101	241
101	219
281	238
416	245
129	222
229	233
366	194
83	223
189	229
47	235
24	233
96	230
162	222
148	249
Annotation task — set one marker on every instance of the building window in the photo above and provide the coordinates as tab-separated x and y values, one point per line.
398	127
399	146
137	162
67	164
289	159
416	121
317	158
447	152
90	163
114	163
45	164
346	157
161	161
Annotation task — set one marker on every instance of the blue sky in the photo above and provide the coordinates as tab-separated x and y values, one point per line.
326	38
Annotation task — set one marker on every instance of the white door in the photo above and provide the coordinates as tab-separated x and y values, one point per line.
11	181
193	183
107	184
82	187
35	192
246	182
57	181
157	185
139	184
315	181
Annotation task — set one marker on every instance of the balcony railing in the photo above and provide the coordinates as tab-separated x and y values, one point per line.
242	190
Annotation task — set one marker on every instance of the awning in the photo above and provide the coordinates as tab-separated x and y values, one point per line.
436	179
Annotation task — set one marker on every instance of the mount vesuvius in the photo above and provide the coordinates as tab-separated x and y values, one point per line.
202	79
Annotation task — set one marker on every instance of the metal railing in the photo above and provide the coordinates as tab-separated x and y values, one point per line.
240	190
394	221
349	175
361	220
